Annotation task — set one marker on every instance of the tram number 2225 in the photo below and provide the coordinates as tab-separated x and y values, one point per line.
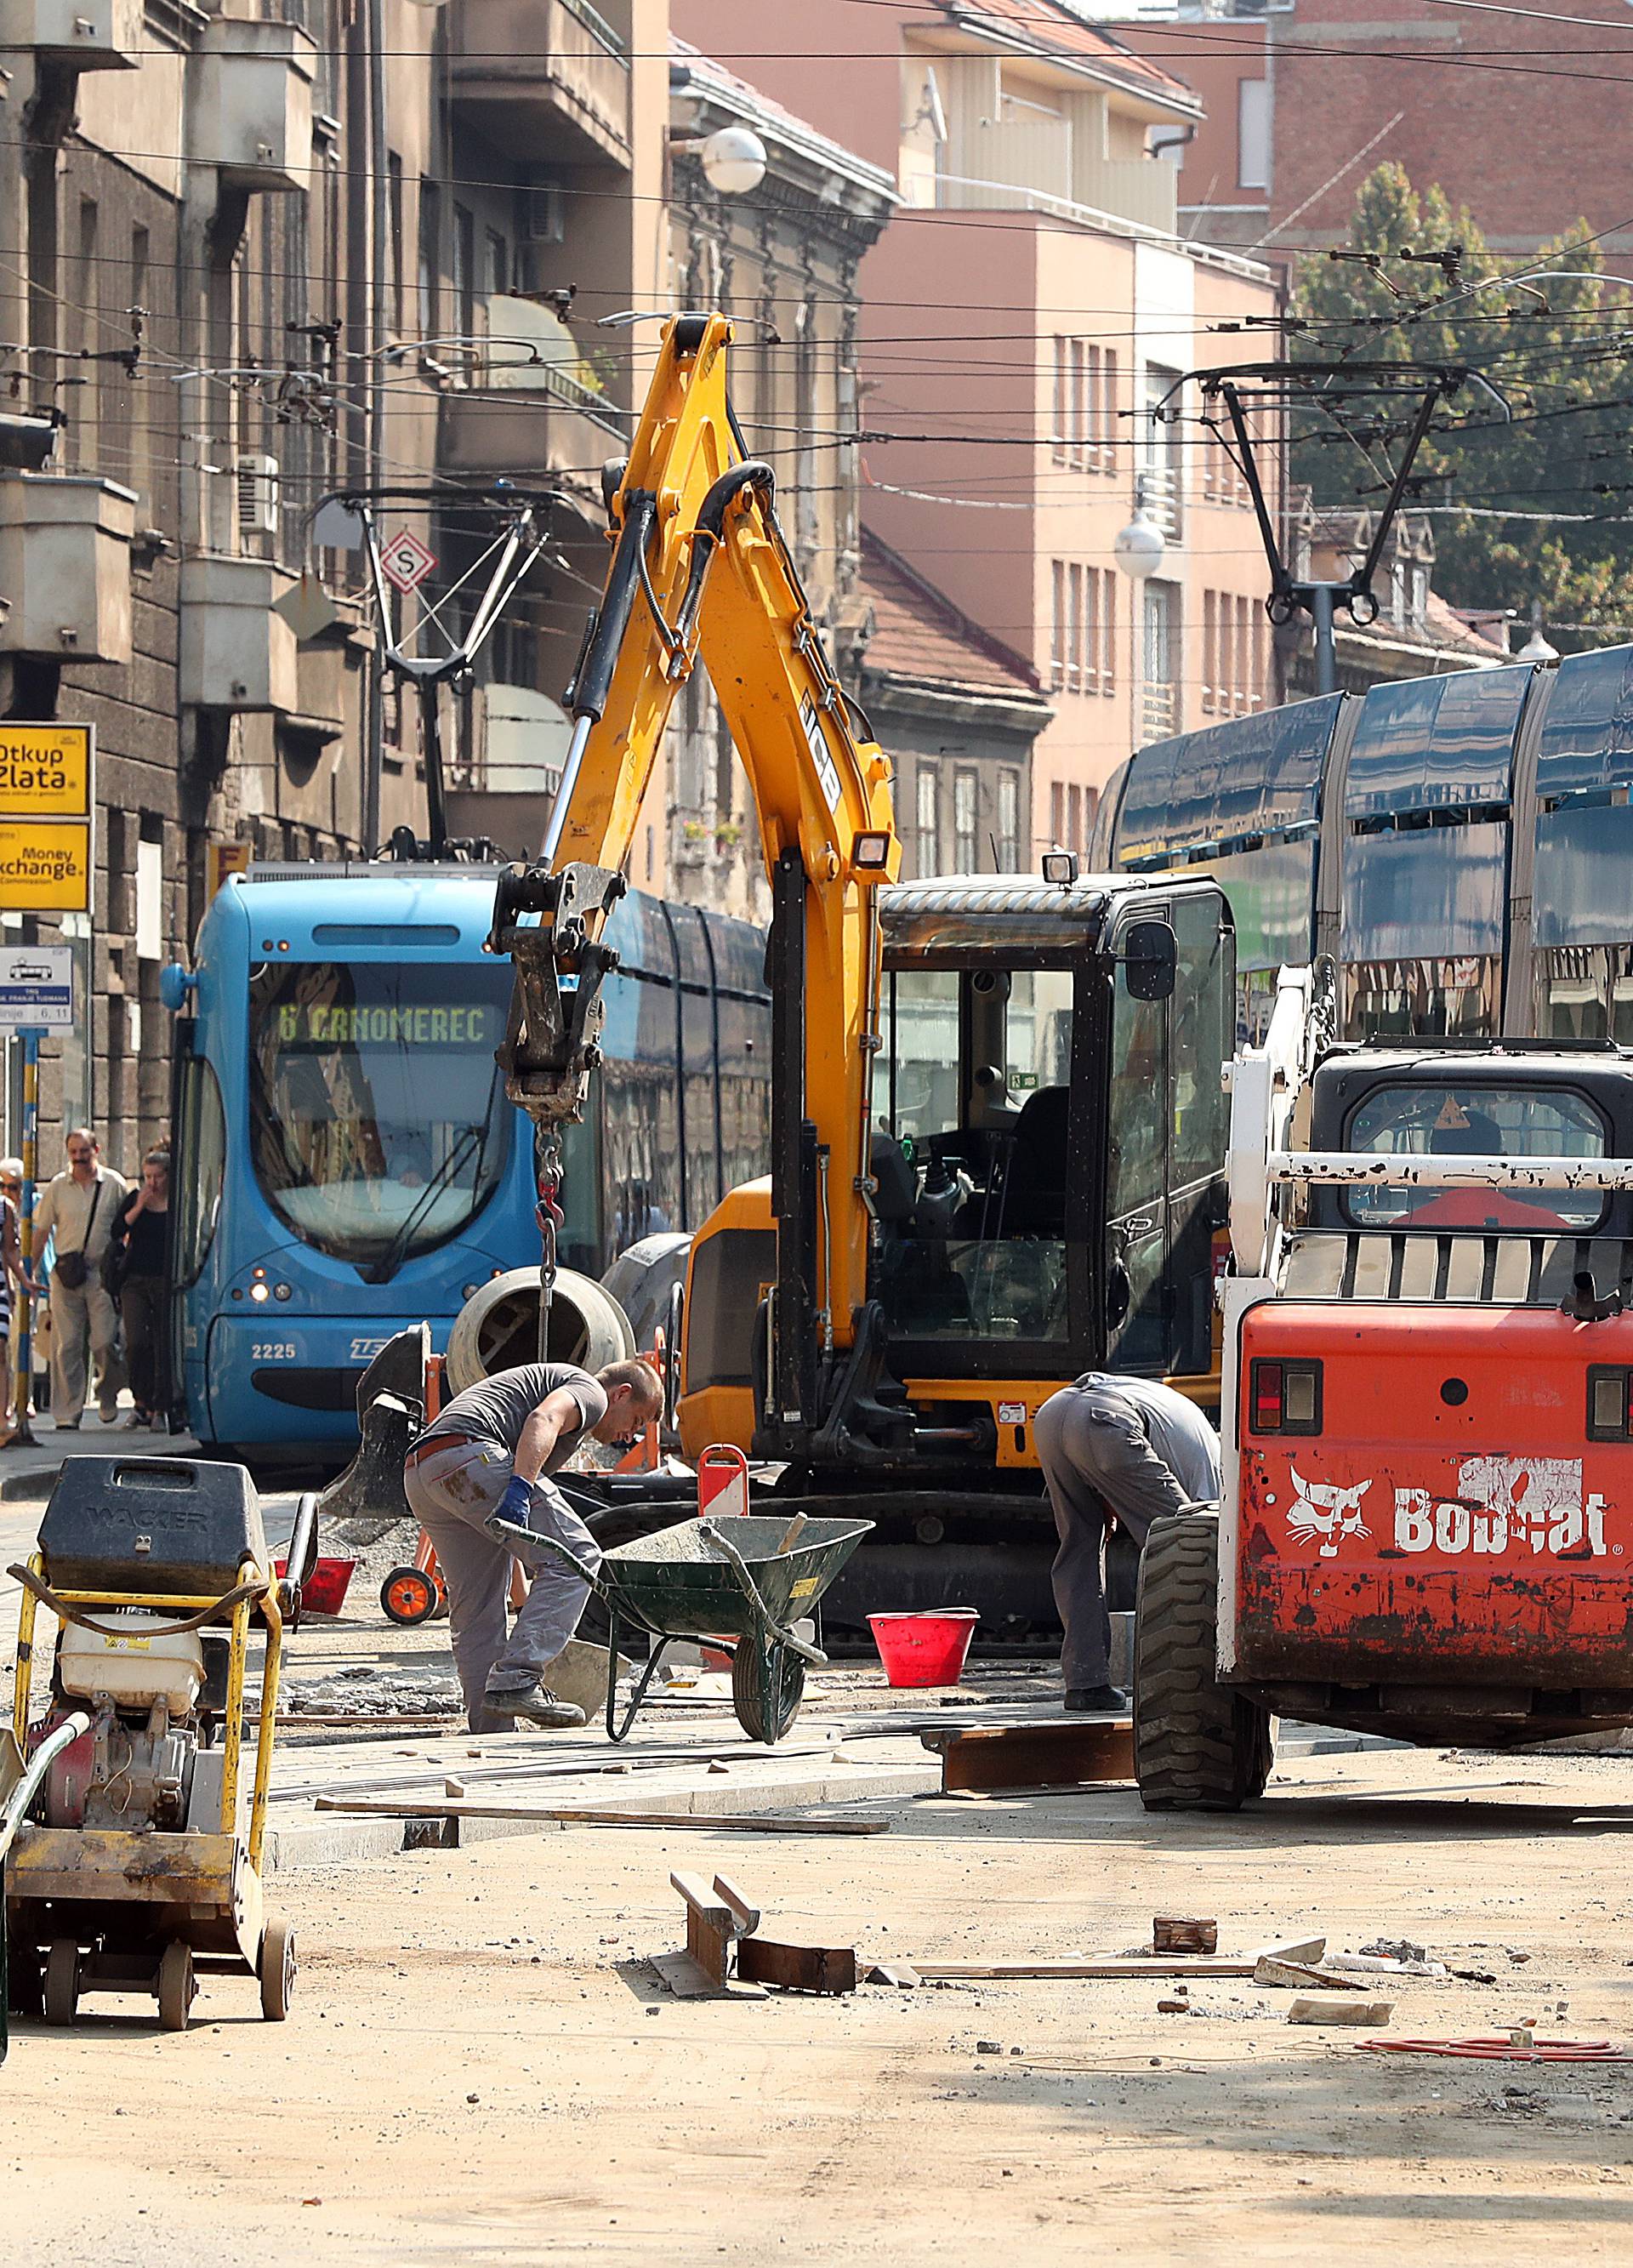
272	1351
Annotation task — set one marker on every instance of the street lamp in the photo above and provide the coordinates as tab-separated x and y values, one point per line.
733	159
1138	550
1537	647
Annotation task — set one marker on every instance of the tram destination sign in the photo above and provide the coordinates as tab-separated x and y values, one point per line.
36	988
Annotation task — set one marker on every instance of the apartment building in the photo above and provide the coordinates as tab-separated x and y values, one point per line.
256	258
1028	308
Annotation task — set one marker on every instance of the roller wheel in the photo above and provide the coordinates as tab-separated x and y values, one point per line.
61	1983
787	1683
277	1969
177	1985
408	1597
1197	1745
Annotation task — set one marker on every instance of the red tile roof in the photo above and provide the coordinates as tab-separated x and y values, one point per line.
1044	25
918	631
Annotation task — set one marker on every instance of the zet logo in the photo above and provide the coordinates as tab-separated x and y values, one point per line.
1501	1505
365	1350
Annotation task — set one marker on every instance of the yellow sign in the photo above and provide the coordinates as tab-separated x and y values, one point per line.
45	771
45	865
222	859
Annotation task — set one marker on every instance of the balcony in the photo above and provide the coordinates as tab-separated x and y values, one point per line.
65	567
514	59
89	35
236	653
249	107
529	404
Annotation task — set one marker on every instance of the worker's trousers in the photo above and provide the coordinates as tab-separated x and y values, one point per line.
1094	1455
82	1319
452	1493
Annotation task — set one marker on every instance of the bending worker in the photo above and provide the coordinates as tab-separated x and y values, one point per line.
486	1456
1132	1446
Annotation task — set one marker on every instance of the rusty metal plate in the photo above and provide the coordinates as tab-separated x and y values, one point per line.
830	1968
986	1760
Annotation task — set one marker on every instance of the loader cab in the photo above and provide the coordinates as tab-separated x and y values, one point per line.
1049	1125
1517	1099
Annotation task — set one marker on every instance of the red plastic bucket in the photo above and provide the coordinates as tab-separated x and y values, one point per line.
927	1649
325	1593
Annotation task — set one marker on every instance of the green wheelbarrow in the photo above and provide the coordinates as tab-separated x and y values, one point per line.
695	1581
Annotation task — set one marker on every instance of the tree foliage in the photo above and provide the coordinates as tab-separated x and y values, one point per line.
1560	350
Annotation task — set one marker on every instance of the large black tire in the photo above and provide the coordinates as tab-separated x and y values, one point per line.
1197	1746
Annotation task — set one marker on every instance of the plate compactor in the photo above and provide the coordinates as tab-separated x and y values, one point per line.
136	1866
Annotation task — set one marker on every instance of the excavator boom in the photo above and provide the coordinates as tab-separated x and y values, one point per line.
700	570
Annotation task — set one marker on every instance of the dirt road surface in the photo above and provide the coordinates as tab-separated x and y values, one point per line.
480	2069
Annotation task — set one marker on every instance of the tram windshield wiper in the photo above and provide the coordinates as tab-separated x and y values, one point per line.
383	1269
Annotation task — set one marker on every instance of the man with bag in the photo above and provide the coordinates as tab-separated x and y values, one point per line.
79	1208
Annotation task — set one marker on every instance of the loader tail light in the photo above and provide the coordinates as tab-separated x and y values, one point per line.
1285	1397
1609	1403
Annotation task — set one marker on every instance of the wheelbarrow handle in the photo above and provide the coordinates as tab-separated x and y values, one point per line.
711	1535
510	1529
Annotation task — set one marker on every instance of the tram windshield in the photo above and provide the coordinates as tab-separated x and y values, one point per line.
378	1126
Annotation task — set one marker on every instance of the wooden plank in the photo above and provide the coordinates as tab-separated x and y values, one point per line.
1338	2008
735	1823
830	1969
1003	1757
999	1971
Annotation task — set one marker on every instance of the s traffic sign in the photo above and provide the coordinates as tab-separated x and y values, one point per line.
405	561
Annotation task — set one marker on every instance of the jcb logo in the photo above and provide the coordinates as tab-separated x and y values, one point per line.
1502	1504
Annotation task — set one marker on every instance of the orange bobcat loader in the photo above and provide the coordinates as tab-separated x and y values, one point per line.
1427	1411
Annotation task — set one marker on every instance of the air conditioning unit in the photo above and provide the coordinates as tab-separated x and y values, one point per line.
256	481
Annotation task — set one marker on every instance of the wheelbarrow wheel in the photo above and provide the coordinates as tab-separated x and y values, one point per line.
177	1985
276	1969
61	1983
408	1597
784	1676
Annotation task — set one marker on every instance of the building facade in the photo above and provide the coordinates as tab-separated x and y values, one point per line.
1027	309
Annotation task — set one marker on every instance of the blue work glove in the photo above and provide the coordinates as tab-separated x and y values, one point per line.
516	1503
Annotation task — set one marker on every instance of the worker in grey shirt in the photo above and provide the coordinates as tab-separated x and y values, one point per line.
487	1457
1132	1446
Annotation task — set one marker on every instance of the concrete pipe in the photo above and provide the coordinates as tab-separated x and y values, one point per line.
497	1329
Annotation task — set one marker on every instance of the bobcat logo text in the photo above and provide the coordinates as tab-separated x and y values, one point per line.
1501	1507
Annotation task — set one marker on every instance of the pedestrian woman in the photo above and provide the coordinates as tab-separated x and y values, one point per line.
141	1268
10	1272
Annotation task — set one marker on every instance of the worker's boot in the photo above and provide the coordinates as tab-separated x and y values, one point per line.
1095	1701
531	1705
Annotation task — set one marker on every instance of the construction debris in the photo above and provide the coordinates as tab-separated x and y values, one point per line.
1009	1758
731	1958
1170	1934
1338	2008
574	1815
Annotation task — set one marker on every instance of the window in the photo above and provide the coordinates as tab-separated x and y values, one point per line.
1074	628
1058	624
1482	1121
1060	443
1162	480
966	849
1162	658
1252	134
1099	630
378	1127
141	417
464	272
1058	814
498	277
1074	819
927	820
1083	428
200	1168
394	206
1008	822
428	310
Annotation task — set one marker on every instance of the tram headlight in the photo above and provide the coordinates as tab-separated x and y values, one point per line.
260	1294
469	1290
280	1291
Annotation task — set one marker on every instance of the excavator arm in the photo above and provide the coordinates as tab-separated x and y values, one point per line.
700	570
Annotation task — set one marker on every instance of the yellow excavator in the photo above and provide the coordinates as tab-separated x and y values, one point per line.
996	1130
